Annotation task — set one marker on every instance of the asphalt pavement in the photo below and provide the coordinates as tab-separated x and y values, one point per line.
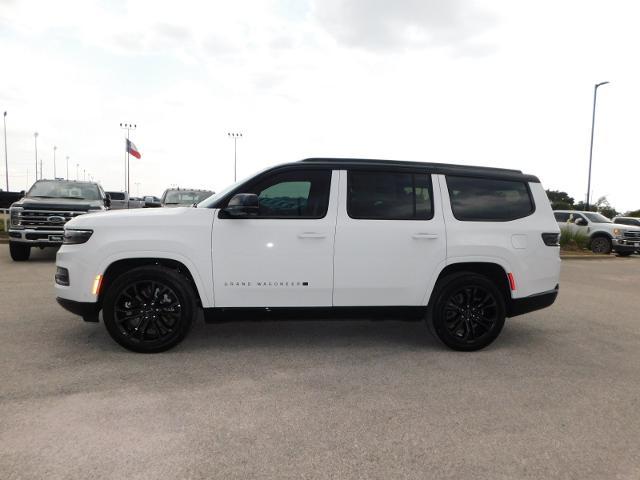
557	396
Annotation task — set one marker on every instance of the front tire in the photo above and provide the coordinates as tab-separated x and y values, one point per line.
19	252
601	246
468	311
149	309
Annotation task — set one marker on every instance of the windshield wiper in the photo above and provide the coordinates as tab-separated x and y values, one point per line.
40	196
75	198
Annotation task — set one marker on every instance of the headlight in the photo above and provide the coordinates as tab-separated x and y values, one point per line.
74	237
16	217
618	232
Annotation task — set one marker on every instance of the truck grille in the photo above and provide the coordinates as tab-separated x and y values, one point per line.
632	235
46	220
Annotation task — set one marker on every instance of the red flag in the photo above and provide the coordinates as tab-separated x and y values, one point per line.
132	149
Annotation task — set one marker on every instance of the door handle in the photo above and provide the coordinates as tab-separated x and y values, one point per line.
424	236
312	235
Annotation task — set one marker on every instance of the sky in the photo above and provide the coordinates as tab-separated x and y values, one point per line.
498	83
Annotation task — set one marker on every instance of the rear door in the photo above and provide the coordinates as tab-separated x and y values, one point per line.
390	237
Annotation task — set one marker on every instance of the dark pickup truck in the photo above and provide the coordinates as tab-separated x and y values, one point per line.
38	219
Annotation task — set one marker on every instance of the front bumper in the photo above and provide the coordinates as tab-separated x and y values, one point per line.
520	306
36	238
88	311
626	244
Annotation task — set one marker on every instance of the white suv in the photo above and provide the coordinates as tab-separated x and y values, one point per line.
463	247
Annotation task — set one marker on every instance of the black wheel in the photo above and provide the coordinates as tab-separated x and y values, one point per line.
624	254
149	309
468	311
19	252
601	245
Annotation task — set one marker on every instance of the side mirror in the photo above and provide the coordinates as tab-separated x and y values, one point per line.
22	192
581	222
107	200
242	205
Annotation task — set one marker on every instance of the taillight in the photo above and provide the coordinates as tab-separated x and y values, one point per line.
551	239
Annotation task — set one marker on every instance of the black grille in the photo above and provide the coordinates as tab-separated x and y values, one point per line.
632	235
46	220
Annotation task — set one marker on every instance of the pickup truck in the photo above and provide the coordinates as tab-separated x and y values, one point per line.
38	219
121	200
180	197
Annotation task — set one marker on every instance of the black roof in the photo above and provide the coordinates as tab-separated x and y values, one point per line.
436	168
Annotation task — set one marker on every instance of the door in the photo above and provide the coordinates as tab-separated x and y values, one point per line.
283	256
390	238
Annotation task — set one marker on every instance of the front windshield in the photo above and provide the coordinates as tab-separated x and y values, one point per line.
185	197
597	218
61	189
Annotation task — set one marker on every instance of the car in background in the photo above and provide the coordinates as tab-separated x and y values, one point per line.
604	235
627	221
151	201
121	201
181	197
38	219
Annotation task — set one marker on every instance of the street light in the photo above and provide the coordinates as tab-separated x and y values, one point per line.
67	167
235	137
35	140
6	162
593	123
54	161
77	171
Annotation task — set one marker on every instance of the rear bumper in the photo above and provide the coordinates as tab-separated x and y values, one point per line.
520	306
88	311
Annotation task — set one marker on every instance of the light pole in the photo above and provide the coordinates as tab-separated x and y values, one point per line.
67	167
35	140
593	124
235	137
128	127
54	161
40	169
77	171
84	174
6	162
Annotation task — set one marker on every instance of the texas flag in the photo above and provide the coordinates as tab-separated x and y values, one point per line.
132	149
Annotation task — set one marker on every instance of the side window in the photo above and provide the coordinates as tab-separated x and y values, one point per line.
294	194
486	199
561	216
387	195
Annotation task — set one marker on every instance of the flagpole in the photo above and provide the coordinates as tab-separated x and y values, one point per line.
128	127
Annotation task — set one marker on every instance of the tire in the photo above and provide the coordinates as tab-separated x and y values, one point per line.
601	246
149	309
455	320
19	252
624	254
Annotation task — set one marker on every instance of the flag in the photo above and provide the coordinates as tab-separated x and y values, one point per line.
132	149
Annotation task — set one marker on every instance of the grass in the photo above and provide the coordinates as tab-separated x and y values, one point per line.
572	240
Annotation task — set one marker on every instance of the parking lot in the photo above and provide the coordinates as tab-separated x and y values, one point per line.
556	396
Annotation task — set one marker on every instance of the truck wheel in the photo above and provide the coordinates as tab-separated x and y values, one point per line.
149	309
468	311
601	245
19	252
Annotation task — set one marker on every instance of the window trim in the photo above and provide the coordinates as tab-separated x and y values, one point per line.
487	219
271	173
411	172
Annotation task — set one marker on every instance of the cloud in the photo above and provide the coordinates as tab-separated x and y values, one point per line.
383	25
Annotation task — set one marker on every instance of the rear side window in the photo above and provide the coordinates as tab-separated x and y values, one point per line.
485	199
388	195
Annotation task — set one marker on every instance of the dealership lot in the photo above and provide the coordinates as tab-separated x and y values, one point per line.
556	396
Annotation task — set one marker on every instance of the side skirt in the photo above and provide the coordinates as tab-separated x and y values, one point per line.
219	315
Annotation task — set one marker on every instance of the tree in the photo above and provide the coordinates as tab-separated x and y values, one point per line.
560	200
633	213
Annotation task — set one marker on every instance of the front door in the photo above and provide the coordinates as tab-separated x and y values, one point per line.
283	257
390	238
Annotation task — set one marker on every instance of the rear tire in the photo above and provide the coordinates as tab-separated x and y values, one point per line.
601	246
19	252
149	309
467	311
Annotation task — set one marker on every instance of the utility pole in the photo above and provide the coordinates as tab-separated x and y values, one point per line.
235	137
67	167
35	139
6	162
77	171
40	169
593	124
54	161
128	127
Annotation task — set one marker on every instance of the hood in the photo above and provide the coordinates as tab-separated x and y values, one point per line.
69	204
133	217
622	226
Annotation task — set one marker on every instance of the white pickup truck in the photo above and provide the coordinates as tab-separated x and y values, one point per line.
461	247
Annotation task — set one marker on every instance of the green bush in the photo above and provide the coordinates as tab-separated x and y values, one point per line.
573	240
